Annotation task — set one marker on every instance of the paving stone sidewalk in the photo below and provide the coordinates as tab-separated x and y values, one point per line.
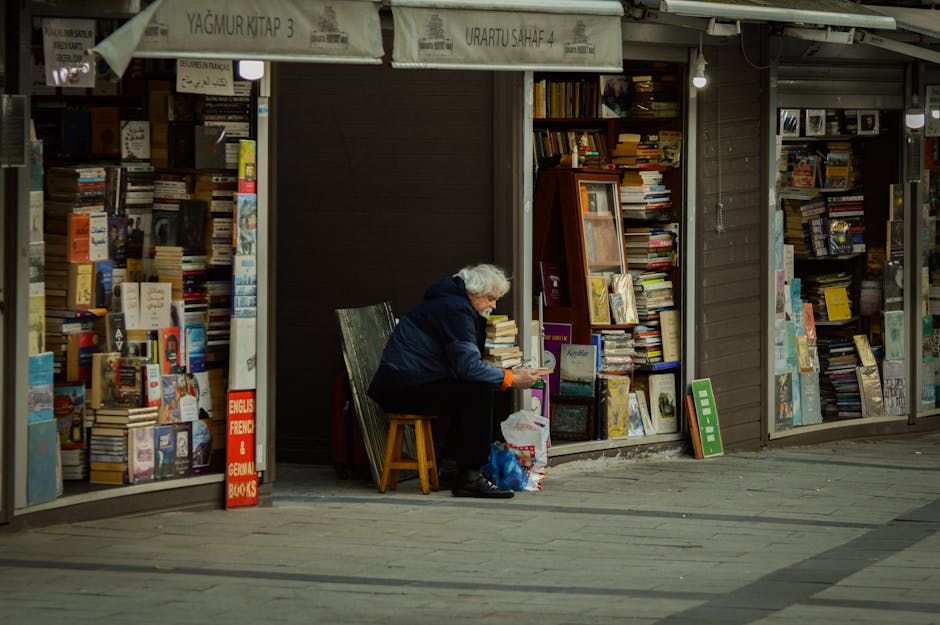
830	534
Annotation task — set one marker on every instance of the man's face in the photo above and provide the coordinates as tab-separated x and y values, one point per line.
484	304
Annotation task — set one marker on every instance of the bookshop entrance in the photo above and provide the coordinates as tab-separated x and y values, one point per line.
846	196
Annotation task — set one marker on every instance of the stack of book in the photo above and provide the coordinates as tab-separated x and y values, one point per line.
840	398
648	344
167	262
218	191
649	247
821	292
846	223
653	294
219	328
79	188
109	441
500	348
654	97
837	172
806	227
616	351
69	411
624	154
644	196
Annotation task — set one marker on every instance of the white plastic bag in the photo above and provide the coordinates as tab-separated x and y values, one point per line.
527	434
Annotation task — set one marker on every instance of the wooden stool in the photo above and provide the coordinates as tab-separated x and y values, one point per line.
425	464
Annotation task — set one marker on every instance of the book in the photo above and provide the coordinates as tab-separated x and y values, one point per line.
43	471
141	454
201	445
809	395
895	395
154	307
625	312
615	389
69	410
153	389
170	350
669	329
662	390
170	395
554	336
783	407
554	285
210	147
578	369
869	386
837	304
182	449
81	286
135	140
635	426
865	354
164	451
599	306
116	335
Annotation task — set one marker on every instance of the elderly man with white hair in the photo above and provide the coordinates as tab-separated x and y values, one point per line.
433	364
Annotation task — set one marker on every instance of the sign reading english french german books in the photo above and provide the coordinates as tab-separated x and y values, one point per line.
241	478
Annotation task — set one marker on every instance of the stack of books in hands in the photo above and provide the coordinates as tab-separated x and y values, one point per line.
501	348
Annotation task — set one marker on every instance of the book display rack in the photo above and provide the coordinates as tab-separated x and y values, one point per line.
132	289
608	205
835	287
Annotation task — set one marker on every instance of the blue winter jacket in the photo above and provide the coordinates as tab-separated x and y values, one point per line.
440	338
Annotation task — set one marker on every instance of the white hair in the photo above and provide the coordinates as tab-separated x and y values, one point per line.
483	279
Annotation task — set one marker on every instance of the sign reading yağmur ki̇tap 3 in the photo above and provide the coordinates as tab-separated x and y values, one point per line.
241	478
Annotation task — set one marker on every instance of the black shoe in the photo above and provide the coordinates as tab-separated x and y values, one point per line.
474	484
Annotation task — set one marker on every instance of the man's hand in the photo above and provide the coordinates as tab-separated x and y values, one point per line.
524	378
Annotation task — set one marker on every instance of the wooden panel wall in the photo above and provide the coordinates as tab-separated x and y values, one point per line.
729	331
384	184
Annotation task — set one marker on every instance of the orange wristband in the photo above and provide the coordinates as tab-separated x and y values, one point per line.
507	380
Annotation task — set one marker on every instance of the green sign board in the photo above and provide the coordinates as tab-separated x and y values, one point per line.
707	416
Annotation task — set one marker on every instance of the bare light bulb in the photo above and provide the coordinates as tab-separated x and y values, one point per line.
251	70
699	79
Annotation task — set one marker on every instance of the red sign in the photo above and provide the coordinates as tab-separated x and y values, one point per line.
241	478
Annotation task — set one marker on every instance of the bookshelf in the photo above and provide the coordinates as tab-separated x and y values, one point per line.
111	163
629	126
831	236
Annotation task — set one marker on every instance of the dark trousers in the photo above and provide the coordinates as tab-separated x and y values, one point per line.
462	430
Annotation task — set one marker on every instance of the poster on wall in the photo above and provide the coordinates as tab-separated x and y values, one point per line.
65	45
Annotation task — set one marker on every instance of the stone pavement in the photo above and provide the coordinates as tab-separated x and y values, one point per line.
828	534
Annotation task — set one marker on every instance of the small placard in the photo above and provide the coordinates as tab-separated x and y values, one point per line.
241	477
205	76
65	46
706	418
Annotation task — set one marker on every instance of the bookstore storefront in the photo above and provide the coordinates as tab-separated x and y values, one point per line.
138	153
852	349
143	229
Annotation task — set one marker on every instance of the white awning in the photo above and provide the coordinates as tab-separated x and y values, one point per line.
815	12
921	21
512	35
315	31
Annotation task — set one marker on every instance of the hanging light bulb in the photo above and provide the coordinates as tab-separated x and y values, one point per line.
251	70
699	79
915	118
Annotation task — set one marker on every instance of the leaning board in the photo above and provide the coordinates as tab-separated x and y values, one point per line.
706	415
